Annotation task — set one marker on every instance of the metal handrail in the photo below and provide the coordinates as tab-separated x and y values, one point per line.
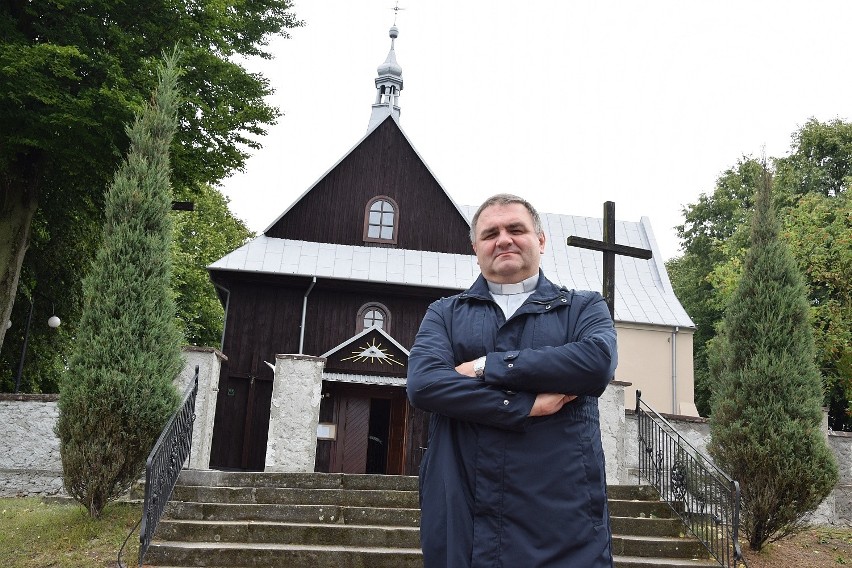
164	464
705	498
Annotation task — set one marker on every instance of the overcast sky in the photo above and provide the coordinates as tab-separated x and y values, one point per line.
567	103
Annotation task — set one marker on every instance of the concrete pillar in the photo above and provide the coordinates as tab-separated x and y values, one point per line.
209	362
294	415
613	431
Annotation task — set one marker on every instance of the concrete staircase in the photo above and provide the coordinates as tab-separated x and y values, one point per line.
244	520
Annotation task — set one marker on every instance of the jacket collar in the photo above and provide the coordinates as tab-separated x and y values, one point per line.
545	291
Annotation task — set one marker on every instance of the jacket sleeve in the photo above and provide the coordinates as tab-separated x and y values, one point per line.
583	366
435	386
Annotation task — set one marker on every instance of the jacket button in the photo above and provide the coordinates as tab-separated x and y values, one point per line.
564	300
547	307
505	403
511	365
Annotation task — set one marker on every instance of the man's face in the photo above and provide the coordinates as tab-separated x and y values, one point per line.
506	244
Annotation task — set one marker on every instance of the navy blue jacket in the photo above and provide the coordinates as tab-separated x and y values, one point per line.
498	488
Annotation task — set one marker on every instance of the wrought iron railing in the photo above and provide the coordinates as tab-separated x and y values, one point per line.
164	464
705	498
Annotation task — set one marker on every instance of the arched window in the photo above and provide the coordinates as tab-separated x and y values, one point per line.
381	220
373	314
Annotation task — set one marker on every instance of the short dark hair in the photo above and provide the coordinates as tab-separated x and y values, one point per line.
505	199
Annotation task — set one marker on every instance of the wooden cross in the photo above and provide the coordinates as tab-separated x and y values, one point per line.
609	249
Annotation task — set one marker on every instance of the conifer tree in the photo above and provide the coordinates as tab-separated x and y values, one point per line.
766	422
117	394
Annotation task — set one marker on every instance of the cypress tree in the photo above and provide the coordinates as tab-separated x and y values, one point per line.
117	393
766	422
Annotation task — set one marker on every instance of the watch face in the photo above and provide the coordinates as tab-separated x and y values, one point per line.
479	367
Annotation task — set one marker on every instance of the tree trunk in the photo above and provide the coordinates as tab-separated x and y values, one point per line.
17	206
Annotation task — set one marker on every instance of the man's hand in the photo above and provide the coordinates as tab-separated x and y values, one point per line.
545	403
550	403
466	369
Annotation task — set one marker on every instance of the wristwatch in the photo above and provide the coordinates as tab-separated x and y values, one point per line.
479	367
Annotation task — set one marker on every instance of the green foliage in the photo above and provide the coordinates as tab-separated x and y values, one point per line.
61	249
74	73
707	232
118	392
766	424
820	161
202	237
809	192
819	231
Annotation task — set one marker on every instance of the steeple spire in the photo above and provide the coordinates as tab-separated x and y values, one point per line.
388	86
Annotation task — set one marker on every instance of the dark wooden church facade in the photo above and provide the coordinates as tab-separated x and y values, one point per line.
380	195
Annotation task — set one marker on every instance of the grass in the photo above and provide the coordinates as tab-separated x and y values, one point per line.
35	534
816	547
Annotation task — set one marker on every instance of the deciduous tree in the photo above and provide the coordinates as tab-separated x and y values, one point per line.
810	192
203	236
75	72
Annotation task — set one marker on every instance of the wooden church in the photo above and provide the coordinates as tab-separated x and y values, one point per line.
347	272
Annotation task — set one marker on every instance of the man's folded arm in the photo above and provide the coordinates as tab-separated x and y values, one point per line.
434	385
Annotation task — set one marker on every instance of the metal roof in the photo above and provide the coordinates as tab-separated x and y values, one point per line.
643	292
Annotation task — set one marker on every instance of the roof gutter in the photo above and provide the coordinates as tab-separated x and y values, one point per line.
304	312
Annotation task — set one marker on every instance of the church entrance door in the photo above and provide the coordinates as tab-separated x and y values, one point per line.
371	426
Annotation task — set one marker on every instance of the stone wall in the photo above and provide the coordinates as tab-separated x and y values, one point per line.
30	463
29	450
841	498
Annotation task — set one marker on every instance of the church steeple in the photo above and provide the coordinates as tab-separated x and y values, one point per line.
388	86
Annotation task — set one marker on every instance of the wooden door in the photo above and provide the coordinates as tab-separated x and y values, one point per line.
396	434
352	440
354	413
241	426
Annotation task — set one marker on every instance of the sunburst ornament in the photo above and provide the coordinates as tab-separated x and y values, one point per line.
373	352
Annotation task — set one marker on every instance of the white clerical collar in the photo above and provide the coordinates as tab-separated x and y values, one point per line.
524	286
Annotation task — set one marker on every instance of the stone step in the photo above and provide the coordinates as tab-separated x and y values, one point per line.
215	554
316	534
290	496
382	516
639	562
658	547
632	492
320	534
640	509
215	478
251	519
638	526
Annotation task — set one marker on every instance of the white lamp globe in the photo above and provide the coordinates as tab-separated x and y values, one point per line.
54	322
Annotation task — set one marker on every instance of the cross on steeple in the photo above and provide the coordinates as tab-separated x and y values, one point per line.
396	9
609	249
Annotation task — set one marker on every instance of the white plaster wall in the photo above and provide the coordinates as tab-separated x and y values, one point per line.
645	360
209	362
613	432
294	413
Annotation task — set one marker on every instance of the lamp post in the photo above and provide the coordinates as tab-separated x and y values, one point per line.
53	322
